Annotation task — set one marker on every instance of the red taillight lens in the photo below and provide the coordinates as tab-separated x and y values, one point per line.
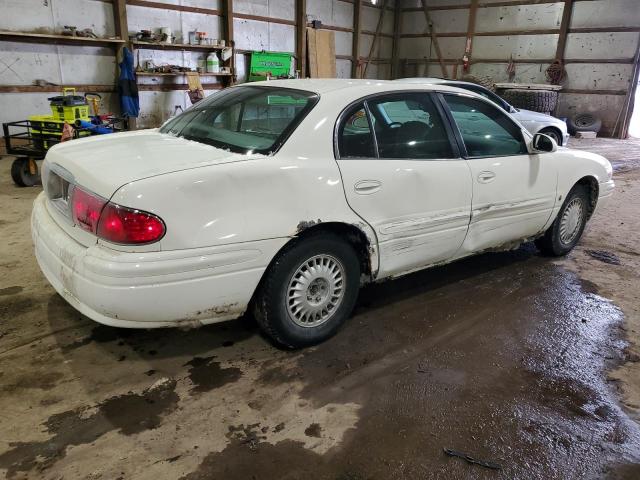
86	209
125	225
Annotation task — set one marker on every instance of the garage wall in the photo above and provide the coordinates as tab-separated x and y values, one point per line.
258	25
500	34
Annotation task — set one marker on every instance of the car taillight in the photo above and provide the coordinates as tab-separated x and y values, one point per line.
86	209
113	222
125	225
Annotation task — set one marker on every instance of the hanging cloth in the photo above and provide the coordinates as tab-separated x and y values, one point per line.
127	86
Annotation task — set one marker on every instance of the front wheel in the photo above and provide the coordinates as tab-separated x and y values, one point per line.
565	232
309	291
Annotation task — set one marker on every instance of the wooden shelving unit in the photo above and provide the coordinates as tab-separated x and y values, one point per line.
50	39
228	78
174	46
181	74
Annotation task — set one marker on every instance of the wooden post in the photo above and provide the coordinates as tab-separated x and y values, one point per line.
301	36
120	19
355	44
565	24
227	13
471	29
397	25
434	38
122	31
375	38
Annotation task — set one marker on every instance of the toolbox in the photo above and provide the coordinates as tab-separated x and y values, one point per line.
69	107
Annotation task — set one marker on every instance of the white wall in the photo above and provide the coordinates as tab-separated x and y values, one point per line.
22	63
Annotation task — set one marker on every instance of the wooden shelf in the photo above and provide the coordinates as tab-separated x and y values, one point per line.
174	46
44	38
153	74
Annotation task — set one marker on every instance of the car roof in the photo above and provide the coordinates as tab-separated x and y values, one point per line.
355	86
435	81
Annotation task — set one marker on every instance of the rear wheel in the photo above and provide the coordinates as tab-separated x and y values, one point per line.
308	291
24	172
565	232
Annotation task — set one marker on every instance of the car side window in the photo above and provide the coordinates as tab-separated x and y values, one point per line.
355	139
408	126
485	130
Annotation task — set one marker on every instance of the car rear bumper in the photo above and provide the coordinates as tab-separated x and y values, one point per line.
150	289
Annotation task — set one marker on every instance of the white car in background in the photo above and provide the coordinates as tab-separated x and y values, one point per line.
285	196
535	122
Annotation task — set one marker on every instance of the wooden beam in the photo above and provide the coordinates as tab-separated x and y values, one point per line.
171	6
375	37
355	43
227	28
227	12
260	18
434	38
564	29
120	19
397	24
55	88
301	37
471	28
50	39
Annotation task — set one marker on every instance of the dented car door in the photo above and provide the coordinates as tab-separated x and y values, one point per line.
513	192
403	175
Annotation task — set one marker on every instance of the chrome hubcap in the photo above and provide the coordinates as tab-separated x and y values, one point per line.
571	221
315	291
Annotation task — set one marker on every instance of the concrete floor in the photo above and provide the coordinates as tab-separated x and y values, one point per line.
513	358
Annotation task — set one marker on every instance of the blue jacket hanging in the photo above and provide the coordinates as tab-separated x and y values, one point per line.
127	86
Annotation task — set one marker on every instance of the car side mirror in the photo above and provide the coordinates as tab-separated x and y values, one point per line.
543	143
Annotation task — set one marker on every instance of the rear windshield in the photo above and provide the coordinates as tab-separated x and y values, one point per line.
244	119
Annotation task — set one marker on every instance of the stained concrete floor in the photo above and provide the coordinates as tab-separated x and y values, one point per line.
512	358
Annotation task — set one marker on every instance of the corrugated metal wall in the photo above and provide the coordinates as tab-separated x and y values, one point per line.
599	63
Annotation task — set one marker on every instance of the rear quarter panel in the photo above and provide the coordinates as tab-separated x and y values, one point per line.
258	198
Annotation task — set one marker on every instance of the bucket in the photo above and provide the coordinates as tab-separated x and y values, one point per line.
165	34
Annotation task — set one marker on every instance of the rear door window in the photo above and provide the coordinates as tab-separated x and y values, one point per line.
355	138
408	126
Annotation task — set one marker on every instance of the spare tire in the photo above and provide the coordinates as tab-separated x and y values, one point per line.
485	81
543	101
584	122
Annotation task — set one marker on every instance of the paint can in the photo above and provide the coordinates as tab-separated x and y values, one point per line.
165	34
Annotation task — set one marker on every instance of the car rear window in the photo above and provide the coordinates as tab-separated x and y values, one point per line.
244	120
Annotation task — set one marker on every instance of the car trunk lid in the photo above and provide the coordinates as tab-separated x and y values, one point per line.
103	164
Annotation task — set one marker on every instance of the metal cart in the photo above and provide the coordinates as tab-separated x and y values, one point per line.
28	148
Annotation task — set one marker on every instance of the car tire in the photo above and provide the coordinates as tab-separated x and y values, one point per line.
584	122
565	232
553	133
543	101
308	291
21	172
486	81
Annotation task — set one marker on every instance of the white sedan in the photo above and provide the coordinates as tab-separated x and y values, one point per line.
286	196
534	122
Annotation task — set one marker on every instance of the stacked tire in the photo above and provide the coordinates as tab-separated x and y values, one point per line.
543	101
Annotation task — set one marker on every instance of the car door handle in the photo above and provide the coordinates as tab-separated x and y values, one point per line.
367	187
486	177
